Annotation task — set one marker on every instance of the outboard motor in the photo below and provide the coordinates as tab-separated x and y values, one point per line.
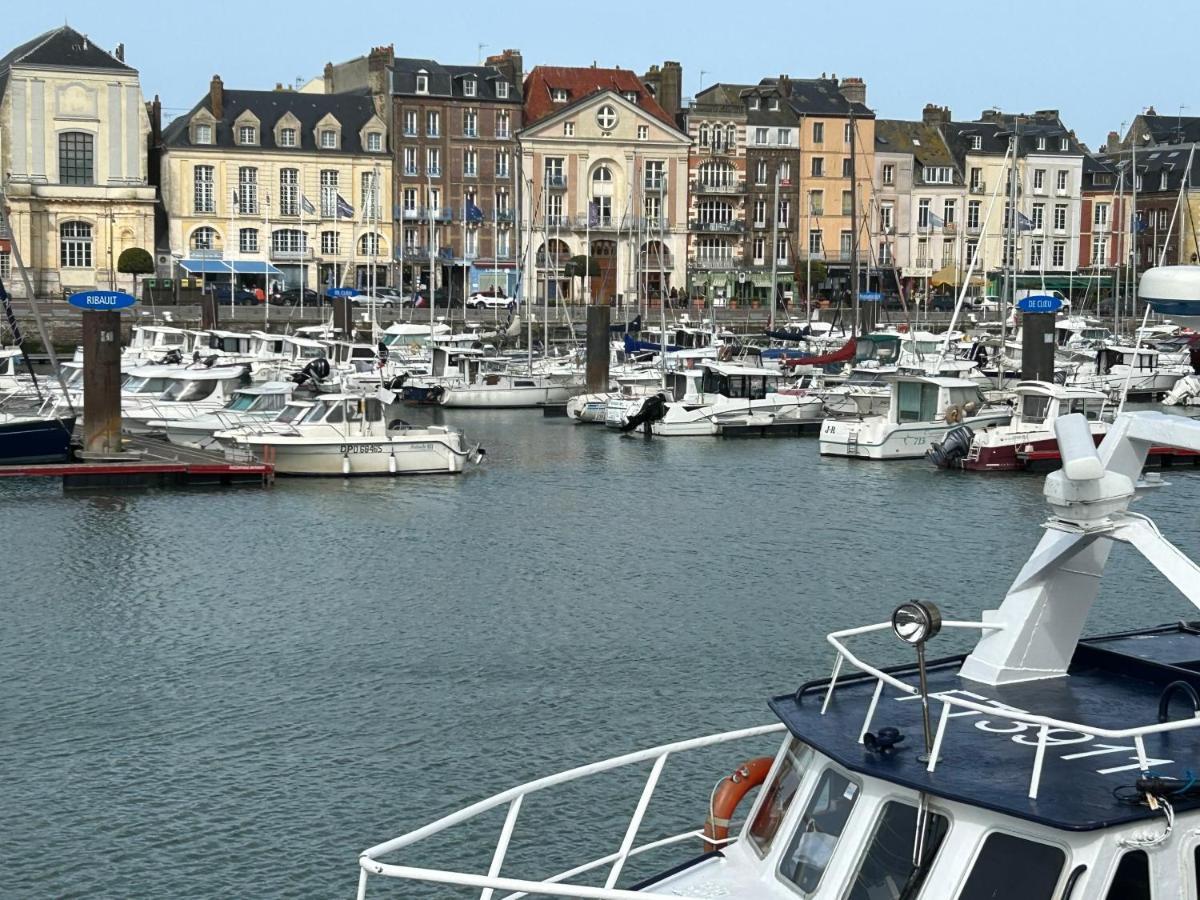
950	452
173	358
652	409
210	361
315	372
397	382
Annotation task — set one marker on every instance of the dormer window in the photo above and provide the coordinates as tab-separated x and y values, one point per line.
558	95
502	90
247	134
469	87
1041	143
422	83
754	103
774	104
329	139
976	142
631	96
1064	145
203	133
287	137
374	142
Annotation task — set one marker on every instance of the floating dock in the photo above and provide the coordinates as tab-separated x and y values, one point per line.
152	463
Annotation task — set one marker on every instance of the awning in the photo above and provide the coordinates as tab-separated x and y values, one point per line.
949	275
254	267
223	267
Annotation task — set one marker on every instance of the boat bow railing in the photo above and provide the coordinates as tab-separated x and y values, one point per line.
1044	724
555	885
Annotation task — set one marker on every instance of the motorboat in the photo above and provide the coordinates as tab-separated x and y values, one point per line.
512	390
33	437
346	434
191	391
1135	370
247	406
921	409
1041	765
1028	438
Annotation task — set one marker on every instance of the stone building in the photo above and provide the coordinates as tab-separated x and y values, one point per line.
73	152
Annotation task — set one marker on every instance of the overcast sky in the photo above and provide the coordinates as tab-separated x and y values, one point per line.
1099	62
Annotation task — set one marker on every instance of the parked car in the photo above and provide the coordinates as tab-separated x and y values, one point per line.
241	297
291	297
384	297
491	299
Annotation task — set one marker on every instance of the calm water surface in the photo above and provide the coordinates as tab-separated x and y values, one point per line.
232	693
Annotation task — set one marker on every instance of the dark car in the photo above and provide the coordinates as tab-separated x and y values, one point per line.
241	297
292	297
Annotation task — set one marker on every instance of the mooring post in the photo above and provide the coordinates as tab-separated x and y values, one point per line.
1037	346
210	311
343	317
597	349
101	382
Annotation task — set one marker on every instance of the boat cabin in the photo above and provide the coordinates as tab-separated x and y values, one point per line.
301	350
1078	333
272	396
264	345
740	382
460	362
918	398
144	381
1039	403
344	410
230	343
191	385
152	340
1143	359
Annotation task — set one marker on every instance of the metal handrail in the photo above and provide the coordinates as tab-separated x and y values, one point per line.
513	797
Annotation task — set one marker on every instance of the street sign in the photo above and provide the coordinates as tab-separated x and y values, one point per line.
341	292
870	296
102	300
1043	303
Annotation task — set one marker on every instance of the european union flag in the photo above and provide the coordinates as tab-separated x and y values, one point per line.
593	214
474	213
307	206
934	220
1024	223
344	209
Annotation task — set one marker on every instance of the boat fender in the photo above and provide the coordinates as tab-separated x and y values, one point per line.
345	465
726	796
392	463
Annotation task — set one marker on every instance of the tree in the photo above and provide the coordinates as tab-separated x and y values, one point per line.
135	261
580	266
820	271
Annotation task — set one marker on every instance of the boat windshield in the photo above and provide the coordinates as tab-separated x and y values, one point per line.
142	385
858	377
240	402
291	413
808	855
917	401
887	870
268	402
779	795
325	411
1034	409
185	391
1093	410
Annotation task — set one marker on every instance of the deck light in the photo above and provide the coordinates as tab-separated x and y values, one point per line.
916	622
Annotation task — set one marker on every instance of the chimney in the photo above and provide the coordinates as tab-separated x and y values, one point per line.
854	90
216	98
328	78
934	115
1113	144
665	83
511	65
785	85
154	114
379	67
119	53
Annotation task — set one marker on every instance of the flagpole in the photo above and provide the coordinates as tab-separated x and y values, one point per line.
774	254
270	246
432	253
303	260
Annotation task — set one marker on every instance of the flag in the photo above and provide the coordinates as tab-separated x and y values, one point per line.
1024	223
235	201
593	214
306	205
474	213
10	317
1139	224
344	209
936	221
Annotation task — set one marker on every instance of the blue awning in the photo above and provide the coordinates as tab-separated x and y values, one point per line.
205	266
253	267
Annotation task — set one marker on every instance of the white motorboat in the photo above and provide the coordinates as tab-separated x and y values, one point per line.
1043	765
191	391
1138	369
511	390
248	406
921	409
345	434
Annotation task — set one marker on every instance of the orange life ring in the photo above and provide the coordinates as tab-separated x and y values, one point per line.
729	793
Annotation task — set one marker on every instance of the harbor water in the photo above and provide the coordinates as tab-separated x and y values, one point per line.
220	693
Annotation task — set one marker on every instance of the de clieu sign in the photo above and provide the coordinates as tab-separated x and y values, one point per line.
1043	303
102	300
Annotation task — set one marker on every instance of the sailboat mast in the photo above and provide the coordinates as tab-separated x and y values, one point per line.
853	222
774	255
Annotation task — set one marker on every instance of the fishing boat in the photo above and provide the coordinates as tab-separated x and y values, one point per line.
1029	436
921	409
247	406
1041	765
346	434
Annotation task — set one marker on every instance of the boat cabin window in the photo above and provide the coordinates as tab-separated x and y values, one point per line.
291	413
968	397
310	352
367	406
1132	878
329	411
166	339
679	386
269	402
807	856
524	383
240	402
1034	409
225	344
1094	334
1092	409
778	796
862	377
743	387
1027	869
888	870
917	401
185	391
137	384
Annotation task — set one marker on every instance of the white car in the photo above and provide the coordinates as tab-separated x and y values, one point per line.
487	301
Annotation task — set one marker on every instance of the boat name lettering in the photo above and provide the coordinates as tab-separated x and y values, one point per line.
360	448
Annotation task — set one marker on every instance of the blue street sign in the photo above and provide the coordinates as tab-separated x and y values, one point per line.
870	296
341	292
1043	303
102	300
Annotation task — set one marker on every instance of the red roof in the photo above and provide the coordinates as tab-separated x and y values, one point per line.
579	83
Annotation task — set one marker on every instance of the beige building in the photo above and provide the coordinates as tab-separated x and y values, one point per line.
602	163
73	148
280	188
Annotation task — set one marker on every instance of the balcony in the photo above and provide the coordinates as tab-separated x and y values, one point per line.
410	133
950	228
947	262
556	182
291	254
557	221
597	223
714	261
412	215
977	188
1062	192
470	133
973	230
652	183
445	214
701	187
921	262
923	229
718	151
505	216
652	223
434	171
718	227
413	251
412	171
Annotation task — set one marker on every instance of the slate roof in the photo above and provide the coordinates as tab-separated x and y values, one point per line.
1171	159
580	82
447	81
60	48
352	109
721	94
1167	129
924	142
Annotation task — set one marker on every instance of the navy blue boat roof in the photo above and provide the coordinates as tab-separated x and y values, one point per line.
1115	682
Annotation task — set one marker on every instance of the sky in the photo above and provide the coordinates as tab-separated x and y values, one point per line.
1099	63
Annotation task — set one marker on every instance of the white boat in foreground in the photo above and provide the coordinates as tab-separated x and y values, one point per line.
247	406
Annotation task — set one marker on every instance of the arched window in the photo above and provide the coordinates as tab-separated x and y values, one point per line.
703	135
602	173
204	239
731	137
75	245
75	158
368	244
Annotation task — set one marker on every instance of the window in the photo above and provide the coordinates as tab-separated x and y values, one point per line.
1063	175
1060	254
846	133
885	253
1100	250
469	86
760	251
433	123
889	173
203	133
818	166
917	403
754	103
410	123
202	189
949	208
969	250
422	83
938	175
923	213
368	245
410	161
814	240
329	188
774	103
602	173
760	136
652	209
501	163
846	241
887	871
1027	869
816	203
606	117
470	163
847	166
502	202
806	857
248	190
1039	179
502	90
976	178
470	123
374	142
656	178
643	132
760	172
1037	220
784	137
204	239
785	172
247	134
75	245
818	132
568	129
409	202
471	247
1162	180
976	142
631	96
760	213
1064	145
885	217
502	244
75	158
5	264
781	250
289	192
248	240
554	171
1041	143
714	212
370	195
287	137
703	135
1060	217
433	161
502	124
289	240
973	207
785	208
847	203
947	252
922	251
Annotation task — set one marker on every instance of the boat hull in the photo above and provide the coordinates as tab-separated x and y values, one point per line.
426	455
29	441
483	397
860	439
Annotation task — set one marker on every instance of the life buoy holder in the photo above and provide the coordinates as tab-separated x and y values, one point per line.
728	794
